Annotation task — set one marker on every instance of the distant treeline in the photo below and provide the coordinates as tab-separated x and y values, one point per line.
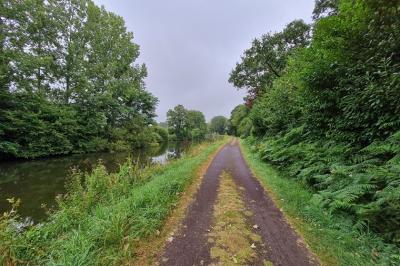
186	124
323	104
69	82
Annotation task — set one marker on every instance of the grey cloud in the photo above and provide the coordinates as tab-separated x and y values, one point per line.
190	46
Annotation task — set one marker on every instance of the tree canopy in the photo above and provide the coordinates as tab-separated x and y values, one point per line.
266	59
238	114
219	125
186	124
326	107
69	81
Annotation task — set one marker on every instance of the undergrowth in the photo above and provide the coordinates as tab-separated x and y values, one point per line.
344	201
360	182
103	215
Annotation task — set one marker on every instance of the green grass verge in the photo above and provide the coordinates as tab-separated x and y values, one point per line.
332	238
103	215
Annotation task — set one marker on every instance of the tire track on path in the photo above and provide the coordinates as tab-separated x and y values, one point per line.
190	245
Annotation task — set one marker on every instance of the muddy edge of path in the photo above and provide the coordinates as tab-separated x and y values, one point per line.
190	246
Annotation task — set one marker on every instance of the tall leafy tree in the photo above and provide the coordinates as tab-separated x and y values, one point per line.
325	8
266	59
197	124
219	124
331	115
69	81
237	115
178	122
186	124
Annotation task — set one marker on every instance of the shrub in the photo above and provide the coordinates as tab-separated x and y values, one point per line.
362	183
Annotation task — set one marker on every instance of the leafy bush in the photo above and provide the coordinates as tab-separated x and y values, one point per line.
238	113
162	133
245	127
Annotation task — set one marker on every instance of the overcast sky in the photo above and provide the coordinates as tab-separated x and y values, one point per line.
190	46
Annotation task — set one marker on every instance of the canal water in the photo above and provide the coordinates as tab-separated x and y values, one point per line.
38	182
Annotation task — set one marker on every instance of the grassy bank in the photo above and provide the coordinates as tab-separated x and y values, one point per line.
332	237
103	216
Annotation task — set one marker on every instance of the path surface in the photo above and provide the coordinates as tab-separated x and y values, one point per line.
190	245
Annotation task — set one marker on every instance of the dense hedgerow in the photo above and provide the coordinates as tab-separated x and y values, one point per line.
330	116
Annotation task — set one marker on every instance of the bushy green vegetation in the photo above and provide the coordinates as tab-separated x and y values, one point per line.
103	216
331	236
186	124
239	123
69	82
218	125
325	108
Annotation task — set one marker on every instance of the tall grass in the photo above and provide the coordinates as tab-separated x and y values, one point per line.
332	236
103	215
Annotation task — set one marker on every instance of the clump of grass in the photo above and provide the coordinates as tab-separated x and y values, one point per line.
8	233
332	237
231	235
103	216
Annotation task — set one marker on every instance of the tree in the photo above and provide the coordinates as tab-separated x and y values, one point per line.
178	122
69	82
266	59
244	128
162	133
330	112
325	8
197	124
219	124
237	115
186	124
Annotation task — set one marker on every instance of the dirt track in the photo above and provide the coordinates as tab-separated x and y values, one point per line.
190	246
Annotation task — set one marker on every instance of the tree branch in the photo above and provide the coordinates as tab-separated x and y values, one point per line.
273	70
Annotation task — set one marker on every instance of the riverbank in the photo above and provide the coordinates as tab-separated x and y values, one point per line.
101	219
38	182
331	237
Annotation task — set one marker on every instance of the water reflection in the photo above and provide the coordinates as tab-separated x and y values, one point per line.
38	182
